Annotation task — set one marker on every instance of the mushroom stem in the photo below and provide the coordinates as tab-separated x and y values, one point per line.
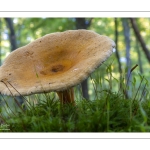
66	96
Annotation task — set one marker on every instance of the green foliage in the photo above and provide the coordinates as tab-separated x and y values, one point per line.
29	29
110	111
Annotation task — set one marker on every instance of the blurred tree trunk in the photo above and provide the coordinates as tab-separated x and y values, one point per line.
139	56
13	43
140	39
126	30
82	23
12	36
117	53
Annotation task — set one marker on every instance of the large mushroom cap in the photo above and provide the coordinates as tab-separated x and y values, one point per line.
54	62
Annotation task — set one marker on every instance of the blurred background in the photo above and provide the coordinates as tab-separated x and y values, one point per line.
131	35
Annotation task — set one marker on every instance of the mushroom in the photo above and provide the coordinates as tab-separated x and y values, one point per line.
55	62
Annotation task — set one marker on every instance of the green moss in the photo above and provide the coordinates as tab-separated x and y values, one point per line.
111	114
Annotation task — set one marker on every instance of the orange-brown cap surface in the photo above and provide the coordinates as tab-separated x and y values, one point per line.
54	62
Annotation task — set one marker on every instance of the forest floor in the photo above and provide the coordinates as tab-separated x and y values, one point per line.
111	113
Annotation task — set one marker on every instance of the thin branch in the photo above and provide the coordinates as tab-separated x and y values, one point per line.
140	39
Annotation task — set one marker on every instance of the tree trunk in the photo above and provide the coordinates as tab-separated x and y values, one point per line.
140	39
82	23
139	56
126	30
12	38
117	53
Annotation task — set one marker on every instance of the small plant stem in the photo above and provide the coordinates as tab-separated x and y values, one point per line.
95	90
66	96
8	107
138	89
130	73
143	92
17	92
2	120
127	83
13	96
108	110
